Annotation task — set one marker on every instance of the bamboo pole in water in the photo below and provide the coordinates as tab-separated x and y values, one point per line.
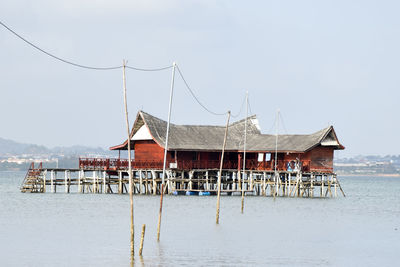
244	147
160	213
142	239
276	175
340	187
129	161
220	169
165	150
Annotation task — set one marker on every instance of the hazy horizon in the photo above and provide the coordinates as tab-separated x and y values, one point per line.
320	63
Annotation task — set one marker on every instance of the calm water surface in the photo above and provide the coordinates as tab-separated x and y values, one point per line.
61	229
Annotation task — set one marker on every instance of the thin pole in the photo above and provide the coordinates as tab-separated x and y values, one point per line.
340	187
169	118
220	168
165	150
129	159
244	147
276	152
142	239
160	213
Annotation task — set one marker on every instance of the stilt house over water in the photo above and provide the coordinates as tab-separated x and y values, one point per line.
289	165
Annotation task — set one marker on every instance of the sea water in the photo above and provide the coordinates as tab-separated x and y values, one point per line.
361	229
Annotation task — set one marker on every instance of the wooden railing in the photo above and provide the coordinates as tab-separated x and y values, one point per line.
32	172
117	164
122	164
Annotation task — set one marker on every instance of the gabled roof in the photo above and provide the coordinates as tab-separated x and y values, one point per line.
293	143
210	138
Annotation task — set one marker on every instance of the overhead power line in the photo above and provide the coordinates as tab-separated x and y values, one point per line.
194	96
241	109
73	63
119	67
141	69
202	105
251	112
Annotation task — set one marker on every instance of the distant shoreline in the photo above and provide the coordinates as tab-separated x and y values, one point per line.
375	174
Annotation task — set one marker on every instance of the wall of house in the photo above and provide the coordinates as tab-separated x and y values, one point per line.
292	158
150	151
187	155
320	158
198	156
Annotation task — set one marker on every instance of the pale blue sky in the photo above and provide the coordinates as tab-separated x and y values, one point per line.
319	62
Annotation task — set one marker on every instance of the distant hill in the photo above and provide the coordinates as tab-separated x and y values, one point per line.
10	147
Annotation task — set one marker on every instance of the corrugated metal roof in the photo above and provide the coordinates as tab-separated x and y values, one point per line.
210	138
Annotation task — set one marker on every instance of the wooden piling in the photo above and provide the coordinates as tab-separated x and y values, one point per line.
52	181
242	199
190	180
335	185
69	181
340	187
142	239
154	183
239	180
79	182
120	188
94	182
104	182
147	182
140	182
66	181
220	169
207	183
330	186
251	181
44	181
312	186
264	184
160	213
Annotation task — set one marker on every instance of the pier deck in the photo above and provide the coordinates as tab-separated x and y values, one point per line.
148	181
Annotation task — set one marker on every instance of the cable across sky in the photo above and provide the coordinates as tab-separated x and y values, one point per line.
194	96
76	64
119	67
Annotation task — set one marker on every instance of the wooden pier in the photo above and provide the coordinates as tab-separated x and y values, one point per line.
148	182
269	165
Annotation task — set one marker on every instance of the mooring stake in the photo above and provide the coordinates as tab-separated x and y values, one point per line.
142	239
220	168
160	213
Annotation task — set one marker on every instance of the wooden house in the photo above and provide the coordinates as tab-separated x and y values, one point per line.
290	165
199	147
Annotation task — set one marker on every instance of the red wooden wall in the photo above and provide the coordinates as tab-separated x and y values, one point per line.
321	158
150	151
318	159
198	156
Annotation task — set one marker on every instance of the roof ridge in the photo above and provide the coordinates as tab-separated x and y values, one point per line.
243	120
